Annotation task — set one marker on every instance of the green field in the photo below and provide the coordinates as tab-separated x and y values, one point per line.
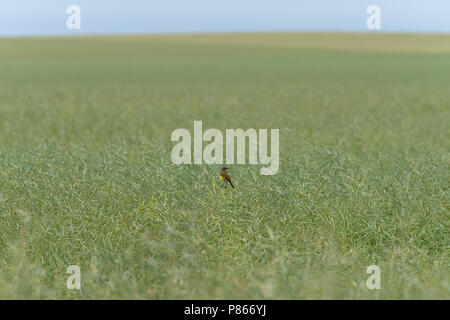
86	176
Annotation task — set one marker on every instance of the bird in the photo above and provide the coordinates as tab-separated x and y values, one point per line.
223	174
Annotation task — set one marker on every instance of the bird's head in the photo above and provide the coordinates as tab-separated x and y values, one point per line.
224	168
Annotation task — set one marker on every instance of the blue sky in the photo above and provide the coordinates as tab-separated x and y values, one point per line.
48	17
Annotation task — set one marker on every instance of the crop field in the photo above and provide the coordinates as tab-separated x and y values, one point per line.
86	176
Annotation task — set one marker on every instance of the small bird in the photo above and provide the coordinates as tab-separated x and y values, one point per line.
223	174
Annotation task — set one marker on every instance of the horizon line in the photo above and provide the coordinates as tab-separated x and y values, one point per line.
76	34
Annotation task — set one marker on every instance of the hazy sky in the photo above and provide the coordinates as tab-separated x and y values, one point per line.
48	17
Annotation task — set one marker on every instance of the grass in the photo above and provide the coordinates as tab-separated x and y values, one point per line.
86	176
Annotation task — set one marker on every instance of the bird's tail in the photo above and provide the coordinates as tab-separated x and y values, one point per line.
230	183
